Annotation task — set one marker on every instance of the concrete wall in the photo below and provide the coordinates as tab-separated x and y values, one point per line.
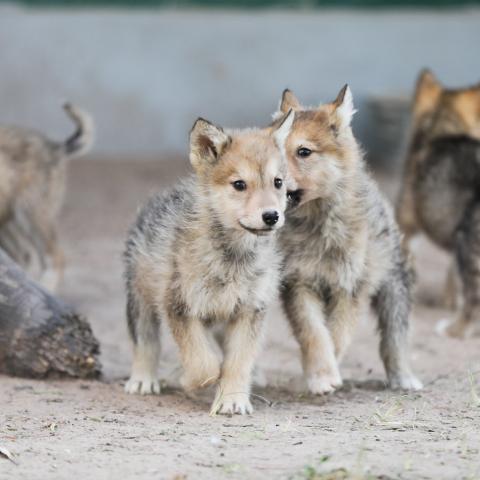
146	75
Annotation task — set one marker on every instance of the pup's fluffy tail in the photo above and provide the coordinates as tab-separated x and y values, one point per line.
82	139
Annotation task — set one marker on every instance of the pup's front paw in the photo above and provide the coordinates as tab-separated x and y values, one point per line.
195	378
144	385
452	328
405	382
323	383
50	279
226	403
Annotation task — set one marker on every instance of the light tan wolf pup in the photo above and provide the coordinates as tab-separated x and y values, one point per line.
32	186
204	254
342	249
441	188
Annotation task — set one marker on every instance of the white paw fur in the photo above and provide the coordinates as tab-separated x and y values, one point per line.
406	382
442	326
231	403
144	385
324	383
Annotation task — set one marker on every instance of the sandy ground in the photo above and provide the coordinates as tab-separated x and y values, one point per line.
80	429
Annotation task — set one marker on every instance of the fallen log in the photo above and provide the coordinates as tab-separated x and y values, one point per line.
41	336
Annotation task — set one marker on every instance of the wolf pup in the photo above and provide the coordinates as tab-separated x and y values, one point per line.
32	185
342	249
205	253
441	187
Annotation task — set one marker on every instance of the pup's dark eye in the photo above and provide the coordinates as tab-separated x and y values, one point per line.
278	182
239	185
304	152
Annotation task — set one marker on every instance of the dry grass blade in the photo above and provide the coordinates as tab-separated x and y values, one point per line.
473	390
5	453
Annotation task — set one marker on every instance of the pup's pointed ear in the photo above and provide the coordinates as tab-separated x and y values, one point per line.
343	106
207	143
427	93
281	133
289	102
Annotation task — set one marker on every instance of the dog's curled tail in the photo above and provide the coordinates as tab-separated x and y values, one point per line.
82	139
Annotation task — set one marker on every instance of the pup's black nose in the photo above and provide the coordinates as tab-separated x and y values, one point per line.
270	217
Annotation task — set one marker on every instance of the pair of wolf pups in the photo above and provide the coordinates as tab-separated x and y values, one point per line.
441	187
208	253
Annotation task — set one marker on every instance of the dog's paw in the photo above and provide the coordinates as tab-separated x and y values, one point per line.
50	279
442	326
195	378
453	328
231	403
143	385
323	383
405	382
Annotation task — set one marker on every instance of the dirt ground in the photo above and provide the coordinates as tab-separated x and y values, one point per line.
92	429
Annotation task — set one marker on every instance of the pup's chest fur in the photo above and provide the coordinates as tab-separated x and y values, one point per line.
217	278
324	248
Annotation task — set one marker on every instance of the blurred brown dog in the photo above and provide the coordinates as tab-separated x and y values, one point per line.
32	186
441	187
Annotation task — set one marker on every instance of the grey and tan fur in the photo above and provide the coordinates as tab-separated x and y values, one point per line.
32	187
441	189
204	254
342	249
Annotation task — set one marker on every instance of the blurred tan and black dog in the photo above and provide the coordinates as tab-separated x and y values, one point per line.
342	248
440	195
204	255
32	186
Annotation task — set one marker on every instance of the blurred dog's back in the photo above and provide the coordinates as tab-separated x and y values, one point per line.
441	189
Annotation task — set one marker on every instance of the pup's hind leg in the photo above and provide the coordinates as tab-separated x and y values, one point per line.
405	212
144	329
242	339
467	249
452	288
392	305
20	248
305	312
41	232
55	263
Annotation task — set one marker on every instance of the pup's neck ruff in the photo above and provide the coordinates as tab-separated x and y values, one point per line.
344	197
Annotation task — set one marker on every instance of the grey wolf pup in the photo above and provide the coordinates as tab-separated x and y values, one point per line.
342	249
204	254
32	186
441	189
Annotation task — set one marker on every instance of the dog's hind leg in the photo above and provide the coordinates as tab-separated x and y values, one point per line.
305	312
20	248
405	213
392	305
452	288
40	229
467	250
144	329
